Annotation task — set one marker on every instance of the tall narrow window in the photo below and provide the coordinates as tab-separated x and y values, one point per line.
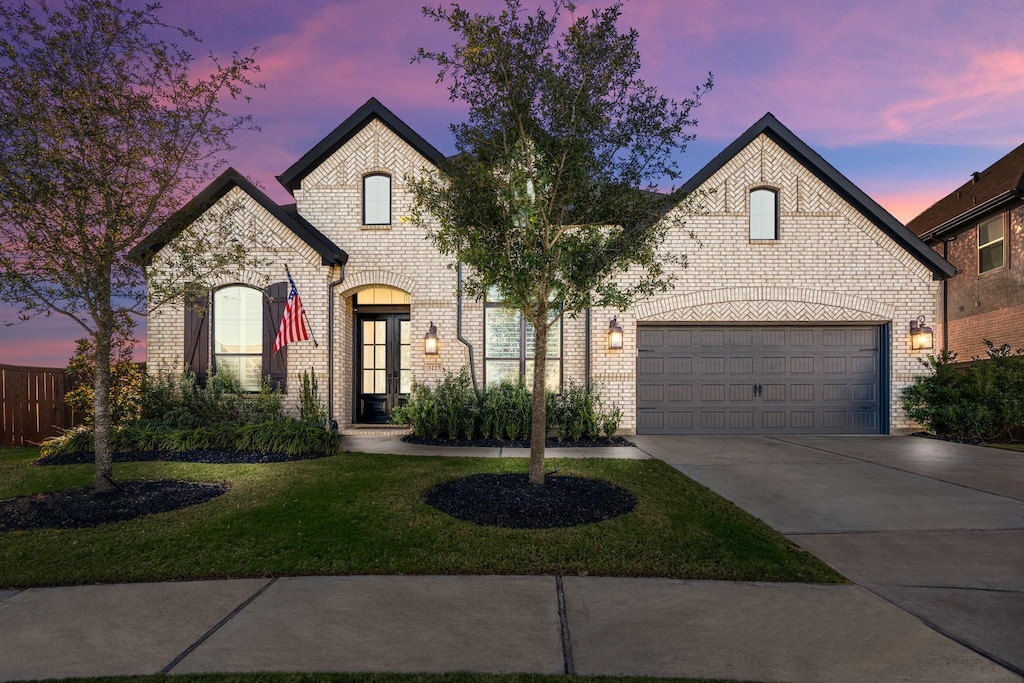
238	334
377	200
991	245
764	215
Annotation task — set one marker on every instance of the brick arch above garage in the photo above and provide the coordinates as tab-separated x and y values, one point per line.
764	304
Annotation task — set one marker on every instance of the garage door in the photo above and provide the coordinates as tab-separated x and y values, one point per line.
758	380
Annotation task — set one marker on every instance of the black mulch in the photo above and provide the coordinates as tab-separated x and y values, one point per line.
509	500
81	508
210	456
954	439
519	443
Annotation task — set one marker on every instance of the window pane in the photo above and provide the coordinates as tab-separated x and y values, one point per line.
554	340
379	382
990	230
381	331
377	200
368	332
501	332
251	372
405	381
552	375
763	215
991	257
367	381
228	365
498	370
238	323
404	333
379	355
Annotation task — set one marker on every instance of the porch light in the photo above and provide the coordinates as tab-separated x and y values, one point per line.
921	337
430	340
614	334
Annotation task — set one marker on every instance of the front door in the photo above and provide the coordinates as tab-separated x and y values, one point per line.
383	377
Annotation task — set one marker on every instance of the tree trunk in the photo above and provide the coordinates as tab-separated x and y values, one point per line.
101	401
538	426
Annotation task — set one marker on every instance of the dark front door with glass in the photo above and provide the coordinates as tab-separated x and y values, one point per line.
383	378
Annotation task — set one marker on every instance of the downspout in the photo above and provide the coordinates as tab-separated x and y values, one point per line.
945	301
330	343
586	367
458	326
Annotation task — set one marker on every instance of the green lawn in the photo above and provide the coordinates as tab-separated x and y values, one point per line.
363	514
1019	447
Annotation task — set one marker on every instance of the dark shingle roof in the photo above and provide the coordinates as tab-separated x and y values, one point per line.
998	184
143	253
292	178
839	183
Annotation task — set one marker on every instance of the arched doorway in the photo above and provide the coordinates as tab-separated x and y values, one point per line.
382	336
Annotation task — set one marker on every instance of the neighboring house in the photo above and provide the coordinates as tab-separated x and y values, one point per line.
979	228
792	317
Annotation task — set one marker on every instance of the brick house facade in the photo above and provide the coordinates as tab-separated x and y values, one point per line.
794	321
979	228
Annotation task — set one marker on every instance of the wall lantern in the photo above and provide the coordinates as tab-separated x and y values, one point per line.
614	334
430	340
921	337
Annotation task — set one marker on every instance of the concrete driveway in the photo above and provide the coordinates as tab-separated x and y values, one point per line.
936	528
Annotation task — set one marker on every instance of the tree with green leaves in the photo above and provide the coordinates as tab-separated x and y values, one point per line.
551	200
104	129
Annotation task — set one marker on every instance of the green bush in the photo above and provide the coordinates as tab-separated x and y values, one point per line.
983	400
289	437
126	380
311	409
181	403
453	409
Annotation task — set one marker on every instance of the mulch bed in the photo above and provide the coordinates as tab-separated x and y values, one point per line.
519	443
509	500
81	508
211	456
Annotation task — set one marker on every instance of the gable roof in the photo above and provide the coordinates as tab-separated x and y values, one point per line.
999	184
840	184
144	252
292	178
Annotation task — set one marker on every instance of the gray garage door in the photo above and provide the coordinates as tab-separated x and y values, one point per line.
758	380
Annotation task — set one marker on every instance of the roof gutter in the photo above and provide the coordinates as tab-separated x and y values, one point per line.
967	216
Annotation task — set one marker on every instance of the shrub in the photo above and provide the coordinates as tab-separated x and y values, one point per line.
289	437
453	409
983	400
126	380
311	409
181	403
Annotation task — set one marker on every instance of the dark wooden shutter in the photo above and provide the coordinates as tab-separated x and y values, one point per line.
274	364
197	335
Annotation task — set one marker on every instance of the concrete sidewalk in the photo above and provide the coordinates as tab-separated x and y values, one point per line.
584	625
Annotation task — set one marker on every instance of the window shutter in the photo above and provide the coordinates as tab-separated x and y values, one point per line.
276	365
197	335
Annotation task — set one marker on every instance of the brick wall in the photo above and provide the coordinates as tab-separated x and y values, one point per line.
829	265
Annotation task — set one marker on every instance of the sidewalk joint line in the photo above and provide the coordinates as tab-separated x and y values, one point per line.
202	639
569	669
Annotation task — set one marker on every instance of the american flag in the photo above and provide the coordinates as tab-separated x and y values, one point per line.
293	322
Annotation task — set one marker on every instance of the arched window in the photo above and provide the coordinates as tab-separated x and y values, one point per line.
377	200
238	334
764	214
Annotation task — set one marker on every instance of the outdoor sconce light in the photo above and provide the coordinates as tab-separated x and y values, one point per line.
430	340
921	337
614	334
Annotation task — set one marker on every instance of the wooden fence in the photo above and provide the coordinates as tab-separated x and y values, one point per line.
32	404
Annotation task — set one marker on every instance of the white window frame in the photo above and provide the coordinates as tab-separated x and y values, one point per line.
999	242
377	206
763	226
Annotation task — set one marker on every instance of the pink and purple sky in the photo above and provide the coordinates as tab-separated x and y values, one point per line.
905	98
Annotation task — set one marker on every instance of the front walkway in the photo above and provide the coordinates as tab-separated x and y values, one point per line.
934	527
